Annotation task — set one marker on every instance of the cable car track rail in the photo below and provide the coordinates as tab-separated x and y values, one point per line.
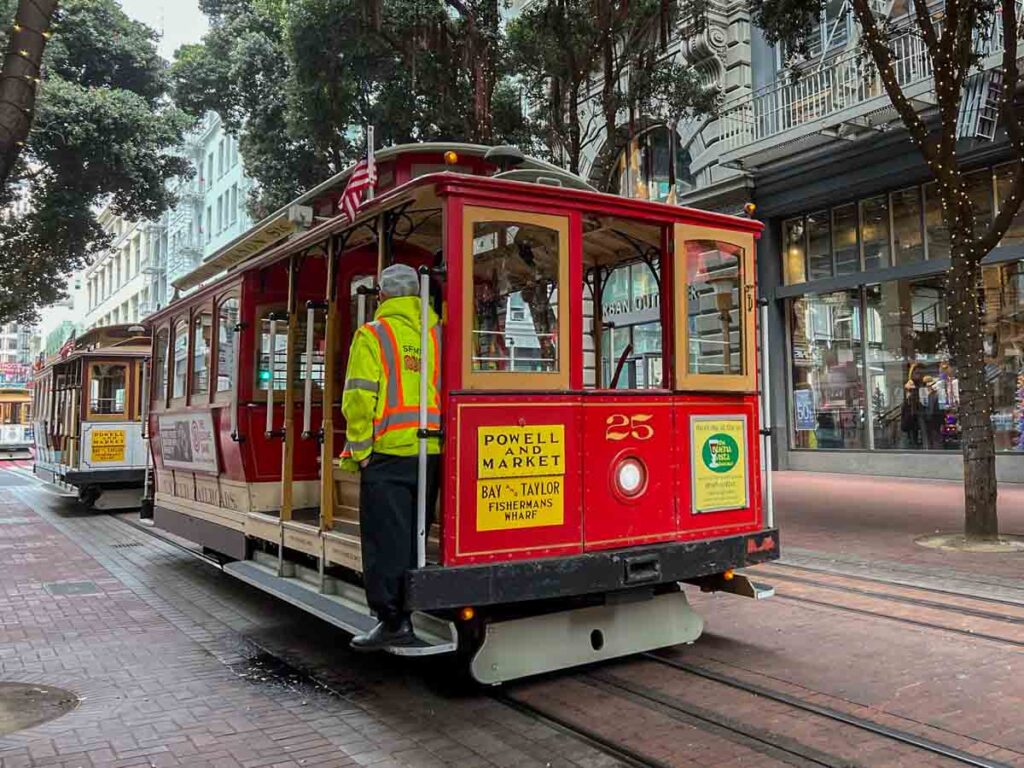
893	734
959	609
888	582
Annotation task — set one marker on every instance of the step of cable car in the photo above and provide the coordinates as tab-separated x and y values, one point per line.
346	609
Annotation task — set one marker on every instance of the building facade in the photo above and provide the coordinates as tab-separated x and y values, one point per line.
128	279
854	257
211	209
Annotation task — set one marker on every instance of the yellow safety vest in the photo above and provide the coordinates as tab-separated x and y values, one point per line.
382	384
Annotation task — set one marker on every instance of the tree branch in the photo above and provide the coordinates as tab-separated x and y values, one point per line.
1015	133
20	74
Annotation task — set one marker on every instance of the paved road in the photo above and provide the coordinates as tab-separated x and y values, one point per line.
178	664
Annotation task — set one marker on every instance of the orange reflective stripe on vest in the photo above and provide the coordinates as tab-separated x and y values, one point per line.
396	414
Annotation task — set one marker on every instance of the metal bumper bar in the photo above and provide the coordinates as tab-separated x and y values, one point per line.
437	588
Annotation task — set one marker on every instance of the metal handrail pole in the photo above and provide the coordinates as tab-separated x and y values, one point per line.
271	365
766	405
307	408
421	478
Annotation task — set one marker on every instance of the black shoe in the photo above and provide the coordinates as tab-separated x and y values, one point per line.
382	636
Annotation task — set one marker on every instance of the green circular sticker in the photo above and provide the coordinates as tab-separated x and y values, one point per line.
720	452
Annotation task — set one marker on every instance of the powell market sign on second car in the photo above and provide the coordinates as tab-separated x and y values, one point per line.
520	477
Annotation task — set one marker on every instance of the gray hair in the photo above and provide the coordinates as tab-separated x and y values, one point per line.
399	280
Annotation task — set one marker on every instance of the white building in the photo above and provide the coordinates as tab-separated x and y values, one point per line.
128	281
211	209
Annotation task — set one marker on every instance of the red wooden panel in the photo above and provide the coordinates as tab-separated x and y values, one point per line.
693	524
520	497
620	430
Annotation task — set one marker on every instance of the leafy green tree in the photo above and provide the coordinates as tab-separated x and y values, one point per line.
954	40
101	133
298	81
589	64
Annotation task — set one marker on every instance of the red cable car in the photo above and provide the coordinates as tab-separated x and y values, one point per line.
599	391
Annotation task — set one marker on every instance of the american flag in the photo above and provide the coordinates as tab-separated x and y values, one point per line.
363	177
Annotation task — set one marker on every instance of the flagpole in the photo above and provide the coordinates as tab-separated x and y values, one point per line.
370	162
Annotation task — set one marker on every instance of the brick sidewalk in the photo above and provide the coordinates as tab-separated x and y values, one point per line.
872	522
158	646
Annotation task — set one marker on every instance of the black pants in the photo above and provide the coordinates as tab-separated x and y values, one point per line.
387	526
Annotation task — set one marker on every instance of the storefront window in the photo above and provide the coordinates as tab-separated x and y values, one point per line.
795	250
874	236
979	190
935	224
912	383
829	410
1004	181
906	221
844	239
819	246
1004	352
652	169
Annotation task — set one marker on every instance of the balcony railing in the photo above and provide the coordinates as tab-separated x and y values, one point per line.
845	81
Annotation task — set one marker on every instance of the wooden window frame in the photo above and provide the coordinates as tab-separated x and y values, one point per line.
172	368
160	404
86	386
710	382
200	398
510	380
224	396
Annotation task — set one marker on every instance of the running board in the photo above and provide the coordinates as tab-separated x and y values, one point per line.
435	635
544	643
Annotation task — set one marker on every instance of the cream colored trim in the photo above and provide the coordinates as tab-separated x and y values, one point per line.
302	537
343	549
506	380
264	527
197	509
747	381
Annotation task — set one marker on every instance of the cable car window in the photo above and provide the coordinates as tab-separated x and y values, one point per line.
319	345
714	279
227	319
160	367
180	369
515	297
622	308
107	389
202	328
280	372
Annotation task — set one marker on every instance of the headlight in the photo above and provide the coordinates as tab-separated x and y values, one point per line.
631	477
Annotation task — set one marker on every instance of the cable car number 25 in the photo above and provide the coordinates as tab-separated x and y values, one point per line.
619	426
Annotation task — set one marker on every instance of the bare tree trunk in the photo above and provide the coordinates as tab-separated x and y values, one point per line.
981	519
20	78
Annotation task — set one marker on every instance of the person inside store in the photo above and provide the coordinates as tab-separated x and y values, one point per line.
380	405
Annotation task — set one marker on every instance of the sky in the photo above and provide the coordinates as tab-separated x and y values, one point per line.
179	21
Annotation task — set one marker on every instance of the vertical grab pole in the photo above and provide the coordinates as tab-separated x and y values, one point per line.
271	364
237	334
307	408
146	510
421	478
766	423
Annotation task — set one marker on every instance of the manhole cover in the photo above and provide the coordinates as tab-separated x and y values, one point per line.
72	588
23	705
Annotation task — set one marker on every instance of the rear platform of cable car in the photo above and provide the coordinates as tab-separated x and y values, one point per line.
599	395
